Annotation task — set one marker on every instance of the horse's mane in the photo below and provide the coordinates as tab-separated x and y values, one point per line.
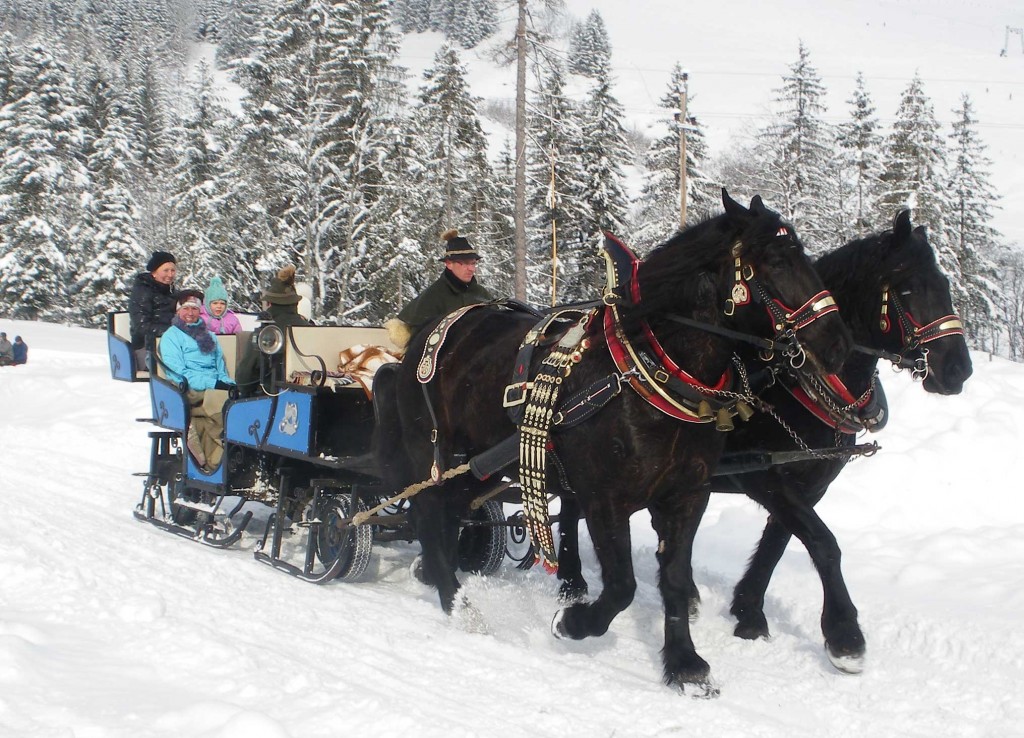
676	272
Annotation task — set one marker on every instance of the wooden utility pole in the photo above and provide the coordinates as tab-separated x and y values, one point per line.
519	214
682	152
553	203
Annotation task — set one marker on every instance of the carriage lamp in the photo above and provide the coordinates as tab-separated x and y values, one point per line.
270	339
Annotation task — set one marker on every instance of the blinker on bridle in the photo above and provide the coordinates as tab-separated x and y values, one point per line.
913	334
786	321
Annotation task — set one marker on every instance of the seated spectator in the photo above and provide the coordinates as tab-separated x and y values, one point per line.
215	313
20	351
6	351
151	306
190	352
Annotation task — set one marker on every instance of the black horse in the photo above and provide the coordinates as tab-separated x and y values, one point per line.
632	454
896	302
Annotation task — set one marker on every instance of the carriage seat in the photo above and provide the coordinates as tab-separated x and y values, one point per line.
360	351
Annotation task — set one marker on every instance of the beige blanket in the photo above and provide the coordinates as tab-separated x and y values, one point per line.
362	362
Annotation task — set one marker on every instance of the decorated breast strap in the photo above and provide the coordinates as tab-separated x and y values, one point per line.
534	434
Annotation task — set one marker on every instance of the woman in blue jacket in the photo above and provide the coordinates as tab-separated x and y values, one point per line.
189	352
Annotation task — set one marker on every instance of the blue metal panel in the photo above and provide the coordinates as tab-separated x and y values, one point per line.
246	421
292	427
168	405
120	352
195	473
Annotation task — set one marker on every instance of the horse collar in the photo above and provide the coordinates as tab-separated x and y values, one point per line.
654	375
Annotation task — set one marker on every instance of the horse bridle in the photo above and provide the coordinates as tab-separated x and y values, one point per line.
913	334
786	321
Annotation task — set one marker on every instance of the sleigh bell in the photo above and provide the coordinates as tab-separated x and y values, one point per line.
744	410
704	412
723	421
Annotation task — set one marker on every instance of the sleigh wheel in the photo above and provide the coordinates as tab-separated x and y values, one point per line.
482	546
340	542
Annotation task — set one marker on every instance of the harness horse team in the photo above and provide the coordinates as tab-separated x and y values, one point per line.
724	361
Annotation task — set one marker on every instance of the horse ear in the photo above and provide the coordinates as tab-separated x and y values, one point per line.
731	206
901	225
757	204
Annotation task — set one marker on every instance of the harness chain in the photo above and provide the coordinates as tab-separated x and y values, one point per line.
533	438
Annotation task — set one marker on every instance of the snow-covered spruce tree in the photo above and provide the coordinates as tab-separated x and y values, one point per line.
443	14
107	242
239	22
411	16
556	182
453	172
605	154
590	50
373	93
969	229
860	140
208	15
40	178
499	268
477	20
794	156
393	262
1010	262
657	208
150	112
914	176
197	187
316	84
288	130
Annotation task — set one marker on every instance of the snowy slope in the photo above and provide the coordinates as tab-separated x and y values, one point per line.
110	627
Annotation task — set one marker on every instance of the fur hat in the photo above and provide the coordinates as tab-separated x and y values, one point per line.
215	291
158	259
457	248
189	297
282	288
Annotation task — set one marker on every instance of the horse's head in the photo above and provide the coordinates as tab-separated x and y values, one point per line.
769	287
913	310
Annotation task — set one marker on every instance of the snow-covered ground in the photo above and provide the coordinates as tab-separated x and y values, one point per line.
110	627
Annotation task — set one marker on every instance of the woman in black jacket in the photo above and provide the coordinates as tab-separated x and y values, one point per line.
152	303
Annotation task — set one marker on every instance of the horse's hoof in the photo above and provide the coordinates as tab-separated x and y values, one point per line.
845	648
848	663
702	689
751	631
558	625
416	570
